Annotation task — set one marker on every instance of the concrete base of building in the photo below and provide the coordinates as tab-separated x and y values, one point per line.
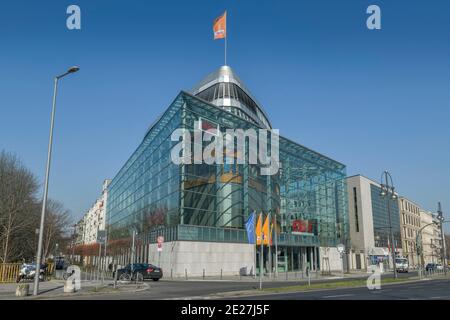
194	258
330	259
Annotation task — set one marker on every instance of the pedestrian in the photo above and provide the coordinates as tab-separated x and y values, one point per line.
110	266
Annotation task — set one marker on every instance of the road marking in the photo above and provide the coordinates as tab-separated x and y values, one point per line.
338	295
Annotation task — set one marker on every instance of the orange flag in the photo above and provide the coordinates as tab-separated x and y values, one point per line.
220	27
258	230
266	231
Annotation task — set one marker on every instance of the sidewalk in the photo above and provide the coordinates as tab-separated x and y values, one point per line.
282	276
55	289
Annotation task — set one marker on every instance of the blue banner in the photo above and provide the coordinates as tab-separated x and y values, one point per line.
250	226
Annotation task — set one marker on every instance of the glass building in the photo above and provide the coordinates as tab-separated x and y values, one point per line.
201	209
381	226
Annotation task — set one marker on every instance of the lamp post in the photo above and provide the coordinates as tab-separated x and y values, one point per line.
47	173
419	245
444	250
73	243
134	231
387	190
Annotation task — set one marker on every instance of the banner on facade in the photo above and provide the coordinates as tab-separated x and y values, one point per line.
250	226
304	226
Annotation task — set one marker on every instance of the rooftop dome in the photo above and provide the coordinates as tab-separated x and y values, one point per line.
224	89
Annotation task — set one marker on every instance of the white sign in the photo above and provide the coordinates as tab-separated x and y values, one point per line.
340	248
160	241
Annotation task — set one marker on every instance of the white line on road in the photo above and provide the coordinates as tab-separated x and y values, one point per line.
338	296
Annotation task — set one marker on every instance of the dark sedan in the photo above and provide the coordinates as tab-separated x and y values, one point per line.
139	271
431	267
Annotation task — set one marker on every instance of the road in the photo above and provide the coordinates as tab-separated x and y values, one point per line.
166	289
438	289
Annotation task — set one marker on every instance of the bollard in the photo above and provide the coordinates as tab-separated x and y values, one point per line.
115	276
22	290
171	274
220	274
286	273
69	286
185	273
308	274
203	274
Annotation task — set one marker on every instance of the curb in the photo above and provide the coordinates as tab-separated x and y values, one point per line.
83	293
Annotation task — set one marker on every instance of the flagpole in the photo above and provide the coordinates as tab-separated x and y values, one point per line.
270	247
261	256
276	245
226	36
256	244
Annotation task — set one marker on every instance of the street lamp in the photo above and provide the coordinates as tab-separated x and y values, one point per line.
419	246
444	250
73	243
47	172
133	250
387	190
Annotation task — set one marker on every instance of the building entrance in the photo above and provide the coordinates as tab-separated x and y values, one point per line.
290	258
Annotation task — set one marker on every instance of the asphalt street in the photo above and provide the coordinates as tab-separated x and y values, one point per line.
438	289
168	289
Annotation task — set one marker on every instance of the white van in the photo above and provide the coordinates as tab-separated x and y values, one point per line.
401	264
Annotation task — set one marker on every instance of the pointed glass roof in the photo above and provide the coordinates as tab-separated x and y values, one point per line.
224	88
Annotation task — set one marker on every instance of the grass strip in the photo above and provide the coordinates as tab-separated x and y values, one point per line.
331	285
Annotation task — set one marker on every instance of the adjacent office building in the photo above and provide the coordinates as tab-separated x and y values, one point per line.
201	209
431	238
410	226
94	220
369	224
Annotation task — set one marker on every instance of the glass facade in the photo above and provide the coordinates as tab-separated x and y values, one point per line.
200	202
381	219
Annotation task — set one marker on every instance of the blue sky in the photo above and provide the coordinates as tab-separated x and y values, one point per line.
373	100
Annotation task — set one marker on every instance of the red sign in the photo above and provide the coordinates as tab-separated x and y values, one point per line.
305	226
160	239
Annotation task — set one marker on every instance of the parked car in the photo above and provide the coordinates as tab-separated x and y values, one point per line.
432	267
60	263
139	270
439	267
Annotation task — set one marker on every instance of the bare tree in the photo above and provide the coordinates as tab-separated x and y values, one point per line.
20	213
18	187
56	227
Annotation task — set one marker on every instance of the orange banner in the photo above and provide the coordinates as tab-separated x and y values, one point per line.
266	231
220	27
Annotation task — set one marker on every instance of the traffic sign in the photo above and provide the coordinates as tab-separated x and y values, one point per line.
340	248
101	236
160	241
